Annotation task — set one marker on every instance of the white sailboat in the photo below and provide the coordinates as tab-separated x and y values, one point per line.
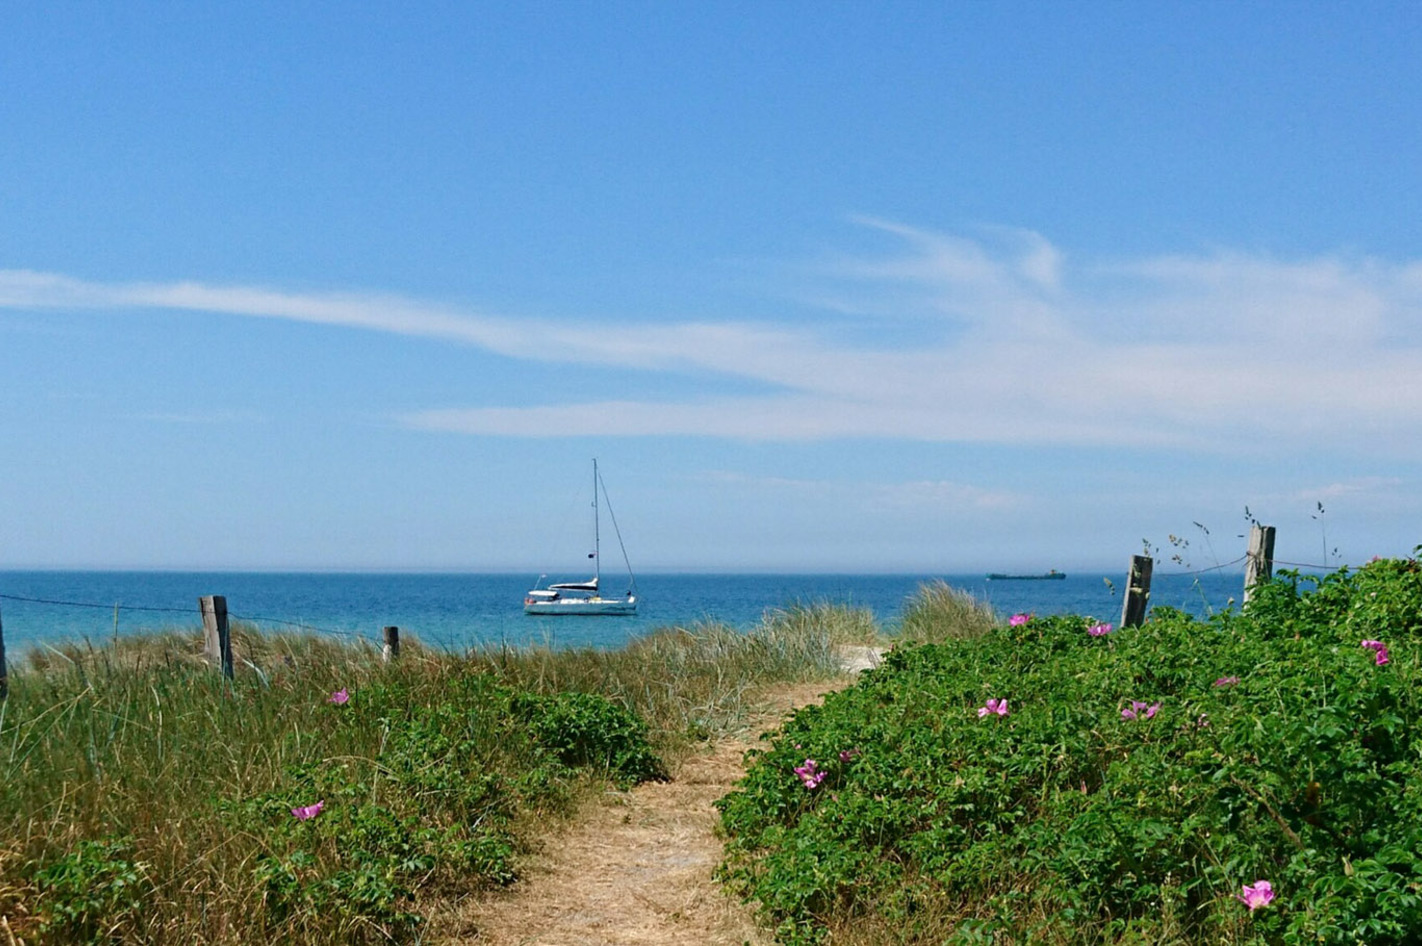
585	597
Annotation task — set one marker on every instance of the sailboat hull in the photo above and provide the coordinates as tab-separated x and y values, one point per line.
582	606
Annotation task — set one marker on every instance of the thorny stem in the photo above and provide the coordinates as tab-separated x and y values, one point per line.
1284	825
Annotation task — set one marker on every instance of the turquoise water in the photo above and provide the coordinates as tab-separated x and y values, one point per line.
456	611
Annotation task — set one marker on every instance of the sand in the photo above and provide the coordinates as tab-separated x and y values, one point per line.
634	868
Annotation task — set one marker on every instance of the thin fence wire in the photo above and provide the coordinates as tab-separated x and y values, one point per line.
300	625
1202	571
250	619
1325	568
358	635
102	607
1336	566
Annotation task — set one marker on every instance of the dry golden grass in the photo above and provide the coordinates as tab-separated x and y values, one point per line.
938	612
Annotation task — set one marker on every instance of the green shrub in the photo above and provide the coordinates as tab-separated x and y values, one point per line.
584	729
1084	815
92	894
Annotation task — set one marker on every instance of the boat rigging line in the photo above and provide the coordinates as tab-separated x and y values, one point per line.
631	576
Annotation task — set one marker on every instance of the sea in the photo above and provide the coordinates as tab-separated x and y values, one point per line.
456	612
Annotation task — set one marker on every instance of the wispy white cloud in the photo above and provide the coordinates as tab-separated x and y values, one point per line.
920	495
1204	351
1366	485
735	479
930	494
530	339
783	418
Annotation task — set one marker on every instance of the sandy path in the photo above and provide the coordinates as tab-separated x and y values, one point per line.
634	868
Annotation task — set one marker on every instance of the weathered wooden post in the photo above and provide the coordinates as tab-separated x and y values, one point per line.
1133	610
1259	560
217	639
391	650
4	673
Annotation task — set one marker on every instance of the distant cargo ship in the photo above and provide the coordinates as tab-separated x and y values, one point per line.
1053	574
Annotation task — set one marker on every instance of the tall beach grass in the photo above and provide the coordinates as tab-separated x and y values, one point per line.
938	612
699	681
145	799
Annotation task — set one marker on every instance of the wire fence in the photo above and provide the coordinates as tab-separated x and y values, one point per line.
1203	571
102	607
301	625
118	608
1321	568
1314	566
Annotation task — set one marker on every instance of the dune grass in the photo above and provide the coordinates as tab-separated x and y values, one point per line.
145	799
938	612
693	682
142	797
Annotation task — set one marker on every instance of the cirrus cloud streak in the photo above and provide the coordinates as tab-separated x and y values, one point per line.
997	338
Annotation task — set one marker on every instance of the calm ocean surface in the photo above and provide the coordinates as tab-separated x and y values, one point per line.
456	611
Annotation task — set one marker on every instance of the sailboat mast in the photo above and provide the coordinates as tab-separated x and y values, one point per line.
597	538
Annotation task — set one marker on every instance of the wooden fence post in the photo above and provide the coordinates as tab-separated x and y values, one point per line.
1259	560
217	639
391	650
1133	610
4	673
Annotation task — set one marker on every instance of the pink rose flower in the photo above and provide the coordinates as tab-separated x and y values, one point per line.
810	775
1137	709
1256	896
308	812
994	707
1379	648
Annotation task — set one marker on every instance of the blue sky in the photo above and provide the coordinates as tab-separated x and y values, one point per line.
849	287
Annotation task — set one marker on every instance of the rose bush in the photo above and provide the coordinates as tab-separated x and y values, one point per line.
1270	747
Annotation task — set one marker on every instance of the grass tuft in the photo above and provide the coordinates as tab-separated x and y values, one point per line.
938	612
692	683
